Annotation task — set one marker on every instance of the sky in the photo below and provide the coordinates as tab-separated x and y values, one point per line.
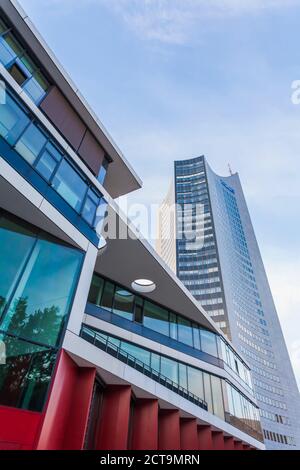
173	79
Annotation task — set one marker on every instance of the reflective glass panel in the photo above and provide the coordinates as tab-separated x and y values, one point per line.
31	143
96	290
156	318
216	387
195	382
185	332
70	185
169	369
208	342
13	120
15	246
43	294
123	303
25	377
108	296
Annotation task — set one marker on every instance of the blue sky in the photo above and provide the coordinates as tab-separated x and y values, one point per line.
172	79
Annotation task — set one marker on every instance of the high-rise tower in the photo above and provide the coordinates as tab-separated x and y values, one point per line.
225	273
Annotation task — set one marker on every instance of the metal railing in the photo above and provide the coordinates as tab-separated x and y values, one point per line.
102	342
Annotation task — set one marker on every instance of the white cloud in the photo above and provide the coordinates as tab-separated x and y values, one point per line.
172	21
168	21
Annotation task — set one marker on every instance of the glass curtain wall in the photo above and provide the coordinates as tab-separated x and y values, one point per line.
221	397
38	278
118	300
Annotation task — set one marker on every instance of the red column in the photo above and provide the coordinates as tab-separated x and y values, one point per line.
246	446
67	411
228	443
205	438
145	425
169	430
238	445
19	428
218	440
114	420
188	434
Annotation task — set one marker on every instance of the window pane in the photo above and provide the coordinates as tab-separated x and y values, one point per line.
196	336
195	382
108	296
183	376
13	120
7	54
141	354
31	143
43	296
173	326
3	27
15	246
138	309
46	165
25	377
185	332
13	44
207	392
17	74
155	362
217	397
123	303
90	207
208	342
70	185
34	90
156	318
169	369
96	290
27	62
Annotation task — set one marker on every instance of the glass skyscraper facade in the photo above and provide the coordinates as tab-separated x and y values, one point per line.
225	273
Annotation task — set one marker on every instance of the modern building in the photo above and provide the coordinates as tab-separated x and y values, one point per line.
219	262
101	346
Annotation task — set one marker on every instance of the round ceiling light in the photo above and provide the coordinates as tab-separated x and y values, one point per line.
144	286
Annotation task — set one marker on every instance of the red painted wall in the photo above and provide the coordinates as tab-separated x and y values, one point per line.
114	421
188	434
218	440
145	425
67	410
18	428
169	430
205	438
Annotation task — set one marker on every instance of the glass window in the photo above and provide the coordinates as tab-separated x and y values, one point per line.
156	318
13	120
42	298
17	73
183	376
90	206
173	326
185	332
195	382
108	296
123	303
9	49
230	399
34	90
207	392
217	395
15	246
169	369
138	309
96	290
208	342
3	27
25	377
196	336
69	184
155	362
48	161
103	171
141	354
27	63
31	143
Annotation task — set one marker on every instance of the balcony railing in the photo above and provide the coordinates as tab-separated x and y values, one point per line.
107	346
